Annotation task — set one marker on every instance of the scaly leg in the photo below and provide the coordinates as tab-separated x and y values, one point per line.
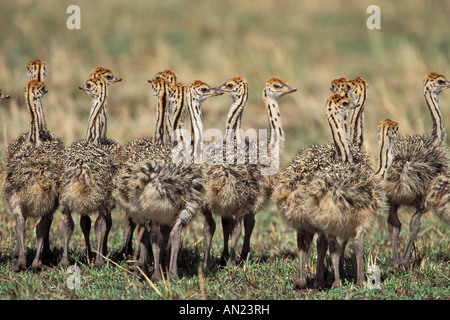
144	244
108	219
209	227
102	227
358	246
394	231
42	229
47	253
127	248
143	238
304	240
20	230
322	248
68	226
341	261
335	252
85	224
175	244
21	220
140	234
227	226
156	241
414	227
235	235
249	224
165	231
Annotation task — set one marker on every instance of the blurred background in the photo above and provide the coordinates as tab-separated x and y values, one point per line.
306	43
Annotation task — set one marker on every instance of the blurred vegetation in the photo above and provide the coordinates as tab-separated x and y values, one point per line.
305	43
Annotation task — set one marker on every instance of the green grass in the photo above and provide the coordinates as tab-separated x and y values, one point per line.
268	273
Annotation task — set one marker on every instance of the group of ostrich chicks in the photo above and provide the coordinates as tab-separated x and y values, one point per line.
331	190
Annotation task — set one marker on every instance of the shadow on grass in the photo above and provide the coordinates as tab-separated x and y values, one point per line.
49	260
190	261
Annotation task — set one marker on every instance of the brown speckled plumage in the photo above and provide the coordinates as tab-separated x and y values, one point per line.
37	70
167	192
438	198
33	176
308	161
418	160
89	168
269	163
291	186
134	152
88	174
232	189
26	163
344	201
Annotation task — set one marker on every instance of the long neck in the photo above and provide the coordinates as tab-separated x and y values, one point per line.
37	120
38	72
357	122
439	134
168	125
276	127
340	139
234	117
196	127
179	109
103	121
385	157
162	121
96	130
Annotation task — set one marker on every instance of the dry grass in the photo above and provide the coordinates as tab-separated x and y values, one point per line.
307	44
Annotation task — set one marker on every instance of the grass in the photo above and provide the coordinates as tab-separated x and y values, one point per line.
267	274
305	43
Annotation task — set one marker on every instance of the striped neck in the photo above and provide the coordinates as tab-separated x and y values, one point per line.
37	70
102	121
336	121
386	137
275	88
96	131
163	124
178	102
357	121
385	158
432	98
194	105
233	123
170	78
37	119
276	129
